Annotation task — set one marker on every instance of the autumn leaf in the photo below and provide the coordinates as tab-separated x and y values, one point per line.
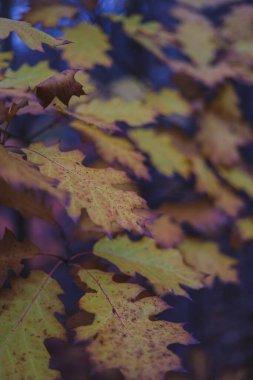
92	189
239	178
207	182
168	102
205	257
49	15
32	37
27	76
197	36
89	51
151	35
62	86
164	268
122	334
200	214
21	175
219	142
165	157
166	233
23	354
12	252
114	149
102	112
239	36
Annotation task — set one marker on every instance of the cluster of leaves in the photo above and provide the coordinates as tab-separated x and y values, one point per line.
121	189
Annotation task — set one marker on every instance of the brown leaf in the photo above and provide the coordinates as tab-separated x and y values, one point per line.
62	86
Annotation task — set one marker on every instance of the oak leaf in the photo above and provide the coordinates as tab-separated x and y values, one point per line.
197	36
21	175
32	37
62	86
165	157
239	178
168	102
164	268
23	354
122	334
218	141
114	149
49	15
151	35
166	233
239	35
106	112
208	183
205	257
89	48
92	189
200	214
27	76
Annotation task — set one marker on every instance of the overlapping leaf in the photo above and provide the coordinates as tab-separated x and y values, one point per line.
92	189
23	353
122	335
32	37
164	268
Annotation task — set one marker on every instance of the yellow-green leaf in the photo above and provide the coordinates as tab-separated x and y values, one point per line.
164	268
27	76
122	334
89	48
165	157
32	37
23	354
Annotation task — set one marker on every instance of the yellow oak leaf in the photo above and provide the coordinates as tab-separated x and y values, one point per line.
122	334
114	149
207	182
165	157
205	257
23	353
49	15
89	48
107	112
168	102
32	37
92	189
239	178
164	268
218	141
27	76
197	36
